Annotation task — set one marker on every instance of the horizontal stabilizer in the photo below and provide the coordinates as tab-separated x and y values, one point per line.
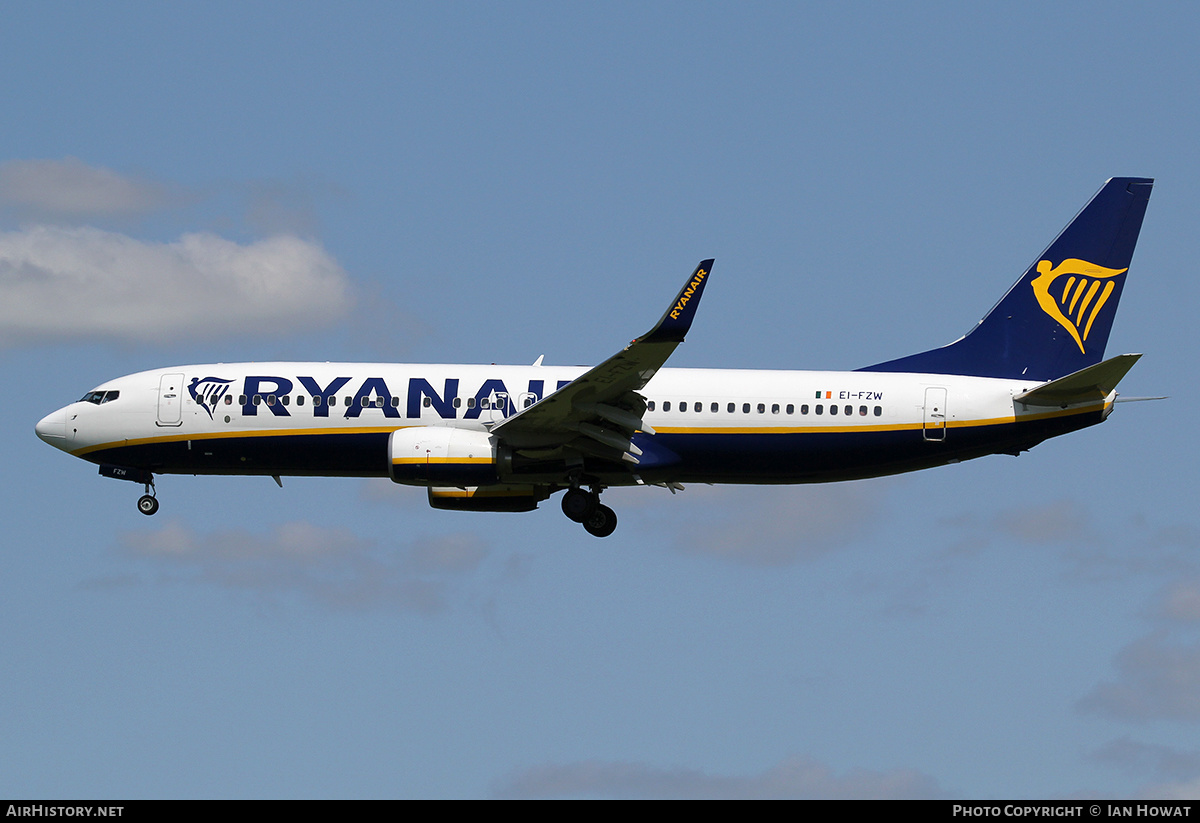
1091	384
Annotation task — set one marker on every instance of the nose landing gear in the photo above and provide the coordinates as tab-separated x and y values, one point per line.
585	508
147	504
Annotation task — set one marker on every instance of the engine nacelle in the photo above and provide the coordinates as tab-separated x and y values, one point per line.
444	456
497	498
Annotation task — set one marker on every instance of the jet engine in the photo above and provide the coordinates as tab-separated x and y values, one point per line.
443	456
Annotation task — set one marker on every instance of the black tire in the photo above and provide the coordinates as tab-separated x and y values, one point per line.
602	522
147	505
578	505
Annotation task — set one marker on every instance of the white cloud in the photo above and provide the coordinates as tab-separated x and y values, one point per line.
71	188
1149	758
1182	601
795	777
1156	680
1059	522
333	567
85	282
779	525
1086	539
1183	790
286	206
449	553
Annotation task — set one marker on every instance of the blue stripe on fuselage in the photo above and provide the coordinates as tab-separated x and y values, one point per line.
703	457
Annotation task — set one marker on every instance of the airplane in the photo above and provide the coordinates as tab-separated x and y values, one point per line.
505	438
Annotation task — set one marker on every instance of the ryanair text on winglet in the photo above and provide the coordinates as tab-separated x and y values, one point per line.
687	293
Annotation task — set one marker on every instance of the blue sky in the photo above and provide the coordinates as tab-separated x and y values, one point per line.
494	182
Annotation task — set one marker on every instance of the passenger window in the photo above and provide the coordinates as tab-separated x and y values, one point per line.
745	408
228	399
819	409
470	402
666	405
762	408
878	411
241	399
650	406
862	410
316	399
715	407
832	409
683	405
258	399
774	408
347	400
286	399
730	408
458	402
698	407
849	410
804	409
427	402
299	400
484	402
395	401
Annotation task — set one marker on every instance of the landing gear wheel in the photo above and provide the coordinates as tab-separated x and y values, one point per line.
602	522
578	505
147	504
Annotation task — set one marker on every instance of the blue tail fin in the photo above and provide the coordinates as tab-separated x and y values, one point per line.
1057	317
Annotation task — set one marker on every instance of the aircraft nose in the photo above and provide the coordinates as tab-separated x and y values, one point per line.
53	428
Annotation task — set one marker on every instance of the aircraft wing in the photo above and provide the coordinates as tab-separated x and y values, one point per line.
599	411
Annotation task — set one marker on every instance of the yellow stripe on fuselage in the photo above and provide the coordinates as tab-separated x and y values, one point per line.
179	438
916	426
441	460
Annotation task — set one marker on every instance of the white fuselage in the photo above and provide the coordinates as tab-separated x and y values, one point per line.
278	418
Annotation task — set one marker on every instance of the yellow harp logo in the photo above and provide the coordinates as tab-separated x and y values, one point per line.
1068	302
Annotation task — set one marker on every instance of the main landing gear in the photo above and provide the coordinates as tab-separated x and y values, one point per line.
585	507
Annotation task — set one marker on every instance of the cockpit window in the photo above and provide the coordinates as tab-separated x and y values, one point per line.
98	397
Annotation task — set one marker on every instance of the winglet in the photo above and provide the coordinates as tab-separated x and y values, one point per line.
675	323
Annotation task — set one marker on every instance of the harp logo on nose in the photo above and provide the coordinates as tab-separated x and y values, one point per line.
208	392
1076	301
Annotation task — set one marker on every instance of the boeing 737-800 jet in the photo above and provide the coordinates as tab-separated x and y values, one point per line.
505	438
